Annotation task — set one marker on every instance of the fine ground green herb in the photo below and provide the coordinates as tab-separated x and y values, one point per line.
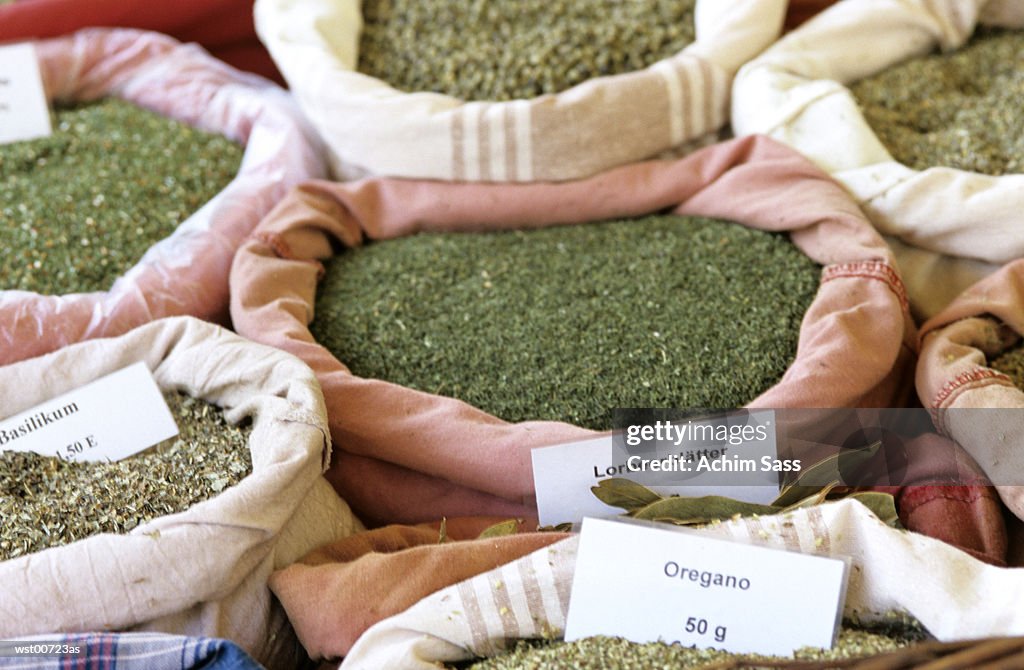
79	208
960	110
607	653
1011	363
479	50
569	322
48	502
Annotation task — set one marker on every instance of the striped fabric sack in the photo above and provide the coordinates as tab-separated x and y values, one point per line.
186	272
892	571
796	92
372	128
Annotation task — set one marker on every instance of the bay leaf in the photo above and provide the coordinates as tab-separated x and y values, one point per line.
619	492
500	529
825	472
700	510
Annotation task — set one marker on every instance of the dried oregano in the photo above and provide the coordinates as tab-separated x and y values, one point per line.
961	109
608	653
79	208
479	50
48	502
569	322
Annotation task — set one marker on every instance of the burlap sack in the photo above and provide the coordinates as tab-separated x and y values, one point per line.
223	27
202	572
406	456
795	92
374	129
187	272
974	404
952	594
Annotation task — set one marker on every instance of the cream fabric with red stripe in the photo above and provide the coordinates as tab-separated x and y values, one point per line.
955	380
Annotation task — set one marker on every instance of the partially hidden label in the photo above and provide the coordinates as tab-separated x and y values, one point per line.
111	418
24	113
647	584
735	457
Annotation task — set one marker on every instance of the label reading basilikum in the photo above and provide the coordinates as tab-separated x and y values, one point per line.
108	419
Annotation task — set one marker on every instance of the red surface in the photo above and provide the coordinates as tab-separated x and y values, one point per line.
801	10
223	27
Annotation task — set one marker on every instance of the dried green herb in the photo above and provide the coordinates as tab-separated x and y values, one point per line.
48	502
479	50
961	109
607	653
79	208
568	322
1011	363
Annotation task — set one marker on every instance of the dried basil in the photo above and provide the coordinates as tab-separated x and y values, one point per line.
48	502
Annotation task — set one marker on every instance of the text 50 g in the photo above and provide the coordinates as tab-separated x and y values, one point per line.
698	626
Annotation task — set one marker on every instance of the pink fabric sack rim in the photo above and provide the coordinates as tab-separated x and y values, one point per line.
406	456
187	272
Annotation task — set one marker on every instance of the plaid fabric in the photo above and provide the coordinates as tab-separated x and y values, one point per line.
123	651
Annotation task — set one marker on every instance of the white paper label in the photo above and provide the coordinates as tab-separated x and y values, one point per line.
106	420
646	584
24	114
742	469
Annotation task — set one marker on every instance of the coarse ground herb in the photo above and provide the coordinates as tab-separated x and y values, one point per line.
79	208
962	109
479	50
48	502
1011	363
568	322
608	653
